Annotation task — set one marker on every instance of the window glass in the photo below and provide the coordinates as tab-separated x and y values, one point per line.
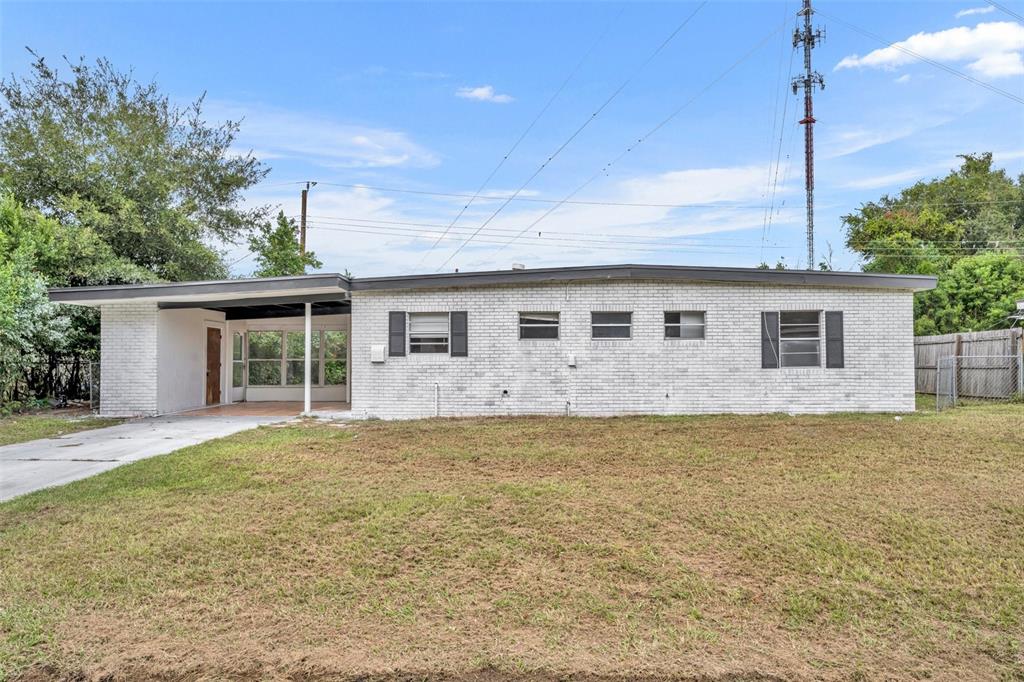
236	346
538	325
428	332
264	372
265	358
335	358
800	338
264	345
684	325
295	353
611	325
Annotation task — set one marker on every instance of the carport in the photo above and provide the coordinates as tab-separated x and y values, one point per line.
171	348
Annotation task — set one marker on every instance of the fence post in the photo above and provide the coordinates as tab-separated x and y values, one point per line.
1020	363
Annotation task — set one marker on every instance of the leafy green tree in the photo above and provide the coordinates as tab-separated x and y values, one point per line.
149	183
29	323
976	294
277	250
966	228
929	226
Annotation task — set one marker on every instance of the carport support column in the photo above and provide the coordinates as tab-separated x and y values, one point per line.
308	365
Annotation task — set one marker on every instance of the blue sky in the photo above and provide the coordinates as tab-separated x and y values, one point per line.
429	97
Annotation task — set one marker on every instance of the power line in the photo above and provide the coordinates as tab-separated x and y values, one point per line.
939	65
349	220
623	204
1005	9
522	136
584	243
432	228
580	129
604	170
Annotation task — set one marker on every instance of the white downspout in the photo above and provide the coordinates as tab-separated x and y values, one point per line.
437	400
308	365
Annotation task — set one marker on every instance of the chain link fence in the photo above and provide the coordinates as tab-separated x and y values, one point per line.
963	379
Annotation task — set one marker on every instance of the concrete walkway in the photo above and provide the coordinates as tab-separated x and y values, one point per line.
47	462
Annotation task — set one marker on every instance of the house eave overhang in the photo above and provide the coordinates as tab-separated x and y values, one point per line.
866	280
324	288
320	287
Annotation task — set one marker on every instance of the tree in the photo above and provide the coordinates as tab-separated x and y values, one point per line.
29	324
976	294
278	251
966	228
149	182
931	225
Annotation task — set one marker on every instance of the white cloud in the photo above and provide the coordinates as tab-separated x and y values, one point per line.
483	93
280	134
990	49
905	78
971	11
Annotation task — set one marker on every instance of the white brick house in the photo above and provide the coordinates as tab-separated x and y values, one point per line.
582	341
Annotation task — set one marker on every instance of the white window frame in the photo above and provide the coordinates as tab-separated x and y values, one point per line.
702	325
799	339
447	336
316	381
594	325
245	367
557	326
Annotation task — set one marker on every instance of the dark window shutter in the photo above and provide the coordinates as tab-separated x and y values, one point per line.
834	338
396	333
769	340
460	337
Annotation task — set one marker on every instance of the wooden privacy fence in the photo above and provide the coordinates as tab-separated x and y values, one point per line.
983	361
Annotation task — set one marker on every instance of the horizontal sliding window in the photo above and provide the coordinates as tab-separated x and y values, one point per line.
684	325
428	332
800	338
611	325
538	325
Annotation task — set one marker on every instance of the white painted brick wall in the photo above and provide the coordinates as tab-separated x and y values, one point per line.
646	374
128	359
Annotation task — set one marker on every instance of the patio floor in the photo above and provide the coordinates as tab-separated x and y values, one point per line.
274	408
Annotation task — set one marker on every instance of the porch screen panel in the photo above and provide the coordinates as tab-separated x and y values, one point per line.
237	360
295	352
335	358
265	358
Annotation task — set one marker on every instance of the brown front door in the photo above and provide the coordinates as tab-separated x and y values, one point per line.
212	366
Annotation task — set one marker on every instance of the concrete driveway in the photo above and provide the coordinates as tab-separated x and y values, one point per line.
25	467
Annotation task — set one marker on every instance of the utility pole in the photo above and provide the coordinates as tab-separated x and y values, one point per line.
302	219
809	37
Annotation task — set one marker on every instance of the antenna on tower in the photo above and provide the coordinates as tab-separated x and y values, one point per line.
809	37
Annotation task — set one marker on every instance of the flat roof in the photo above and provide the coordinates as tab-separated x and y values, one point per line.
320	287
686	273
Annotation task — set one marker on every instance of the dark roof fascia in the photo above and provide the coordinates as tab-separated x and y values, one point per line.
225	287
648	272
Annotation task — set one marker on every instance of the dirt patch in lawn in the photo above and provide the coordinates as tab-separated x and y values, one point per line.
490	549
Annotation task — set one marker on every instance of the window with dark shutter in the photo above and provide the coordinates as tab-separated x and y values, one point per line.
834	339
460	340
769	340
396	333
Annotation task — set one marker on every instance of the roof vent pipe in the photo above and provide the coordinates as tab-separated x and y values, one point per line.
518	266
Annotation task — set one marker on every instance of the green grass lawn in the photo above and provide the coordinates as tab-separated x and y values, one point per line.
24	427
832	547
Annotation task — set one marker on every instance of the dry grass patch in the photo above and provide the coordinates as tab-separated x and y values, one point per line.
810	547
